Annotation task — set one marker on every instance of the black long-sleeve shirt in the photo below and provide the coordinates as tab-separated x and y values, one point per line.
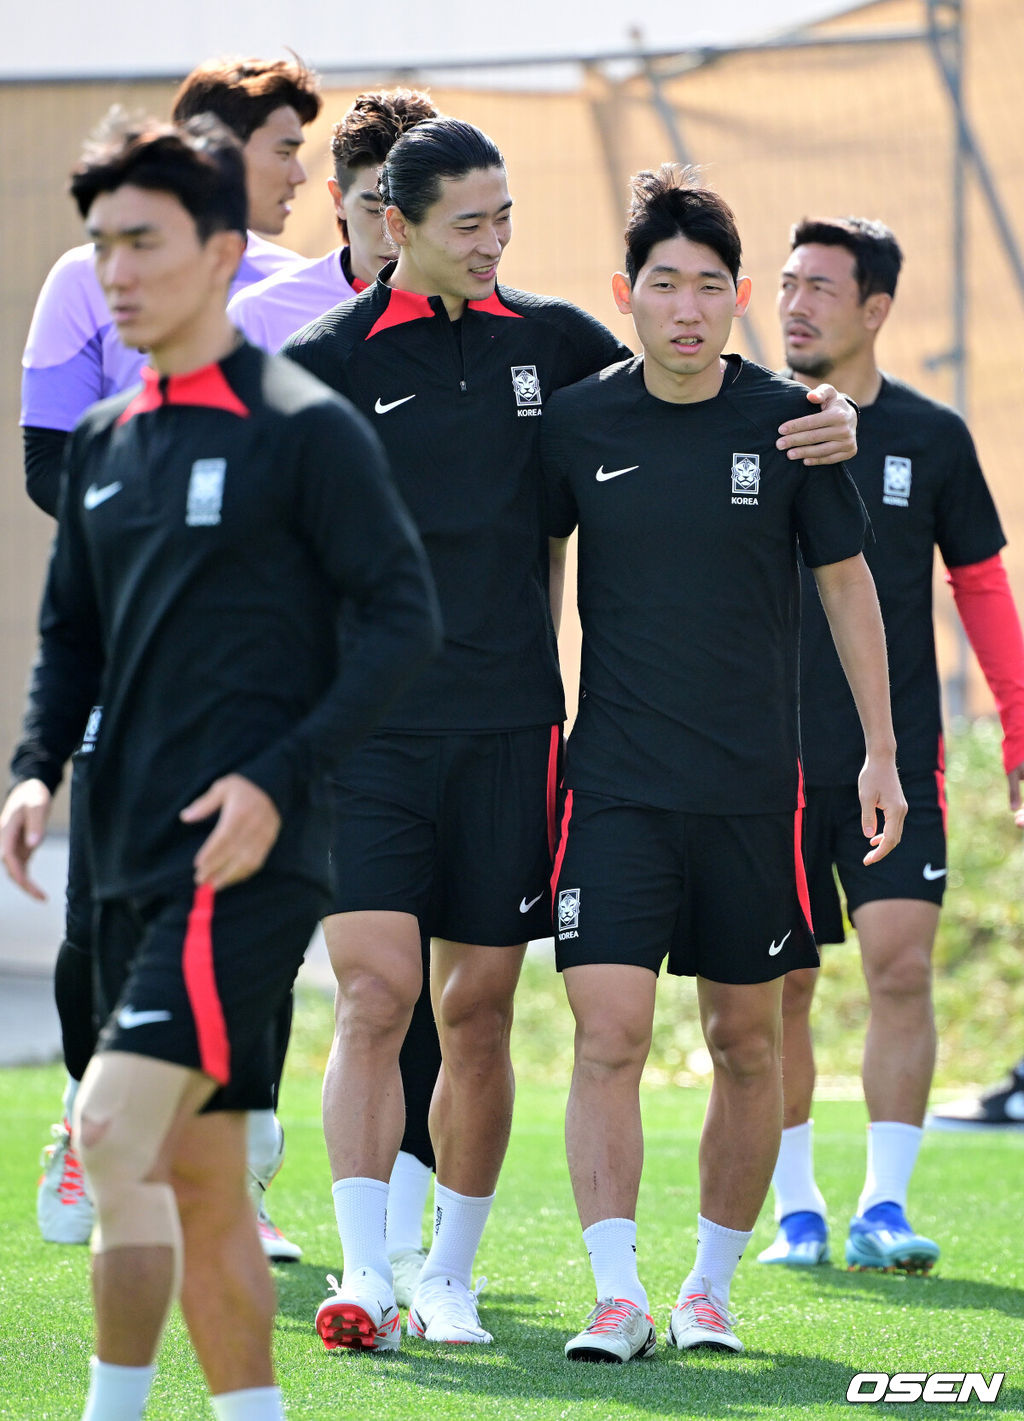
211	530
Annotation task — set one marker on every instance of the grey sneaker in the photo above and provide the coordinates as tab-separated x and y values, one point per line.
700	1320
616	1331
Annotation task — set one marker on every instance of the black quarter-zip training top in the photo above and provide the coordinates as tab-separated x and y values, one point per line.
211	528
458	406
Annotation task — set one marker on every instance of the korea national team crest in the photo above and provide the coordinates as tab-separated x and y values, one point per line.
526	384
896	481
205	493
568	912
746	477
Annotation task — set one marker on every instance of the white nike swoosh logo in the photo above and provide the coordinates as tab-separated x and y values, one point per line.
128	1017
95	496
525	907
382	408
931	873
774	950
603	474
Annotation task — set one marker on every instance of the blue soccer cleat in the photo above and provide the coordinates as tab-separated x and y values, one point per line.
882	1239
801	1242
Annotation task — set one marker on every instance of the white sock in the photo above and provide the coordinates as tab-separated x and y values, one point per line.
611	1244
892	1154
360	1206
70	1091
117	1393
407	1197
719	1250
257	1403
793	1180
264	1144
459	1221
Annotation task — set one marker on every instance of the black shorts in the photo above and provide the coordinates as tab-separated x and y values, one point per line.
198	979
915	869
457	829
723	898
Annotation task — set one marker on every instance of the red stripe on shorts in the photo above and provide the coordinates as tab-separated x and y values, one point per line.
566	816
201	986
553	749
802	891
940	784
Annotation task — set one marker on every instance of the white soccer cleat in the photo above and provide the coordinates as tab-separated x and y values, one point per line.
406	1267
275	1246
361	1314
701	1321
63	1207
445	1310
616	1331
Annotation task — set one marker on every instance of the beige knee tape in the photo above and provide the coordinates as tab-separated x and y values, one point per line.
123	1112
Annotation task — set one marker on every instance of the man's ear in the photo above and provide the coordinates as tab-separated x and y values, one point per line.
622	293
337	197
743	289
876	308
228	248
397	225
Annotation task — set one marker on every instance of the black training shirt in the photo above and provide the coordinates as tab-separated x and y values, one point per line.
919	477
690	521
459	407
210	528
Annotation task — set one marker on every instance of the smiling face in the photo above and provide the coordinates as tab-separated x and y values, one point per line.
358	207
683	303
455	250
273	170
825	324
165	288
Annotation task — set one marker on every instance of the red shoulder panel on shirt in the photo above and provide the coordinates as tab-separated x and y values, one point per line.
494	306
402	306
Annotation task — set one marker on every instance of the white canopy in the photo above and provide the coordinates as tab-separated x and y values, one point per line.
121	38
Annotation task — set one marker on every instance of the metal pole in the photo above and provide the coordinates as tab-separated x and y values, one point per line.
947	45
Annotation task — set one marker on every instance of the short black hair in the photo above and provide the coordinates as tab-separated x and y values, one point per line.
440	148
243	93
876	253
671	203
370	129
199	162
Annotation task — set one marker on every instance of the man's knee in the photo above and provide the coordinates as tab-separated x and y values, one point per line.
744	1036
901	975
377	962
474	998
120	1149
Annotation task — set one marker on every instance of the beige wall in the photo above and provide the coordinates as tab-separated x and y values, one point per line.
861	130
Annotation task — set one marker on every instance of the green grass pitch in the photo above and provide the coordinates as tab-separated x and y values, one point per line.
806	1332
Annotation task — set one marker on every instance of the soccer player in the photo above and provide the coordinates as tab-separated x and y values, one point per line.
918	474
681	828
218	531
267	313
74	357
445	819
